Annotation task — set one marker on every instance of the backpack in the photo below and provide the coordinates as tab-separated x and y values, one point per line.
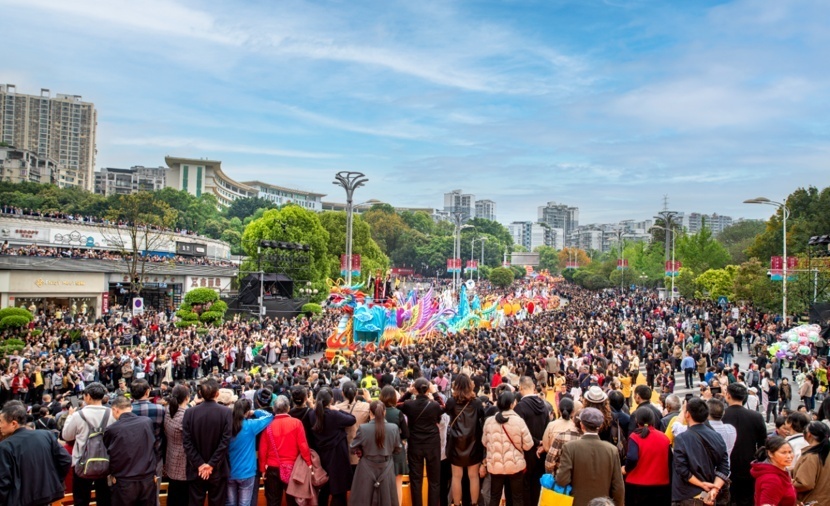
618	439
95	461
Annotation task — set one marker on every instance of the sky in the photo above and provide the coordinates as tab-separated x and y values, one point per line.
607	105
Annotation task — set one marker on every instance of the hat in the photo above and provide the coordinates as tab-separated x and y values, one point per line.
754	390
592	418
226	396
595	395
262	398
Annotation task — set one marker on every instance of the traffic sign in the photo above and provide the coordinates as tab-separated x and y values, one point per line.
723	300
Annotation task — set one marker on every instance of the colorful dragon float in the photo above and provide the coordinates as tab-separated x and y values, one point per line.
406	319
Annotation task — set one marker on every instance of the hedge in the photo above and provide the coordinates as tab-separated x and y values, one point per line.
209	316
16	311
312	307
13	322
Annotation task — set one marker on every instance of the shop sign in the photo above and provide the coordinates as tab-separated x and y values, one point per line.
105	302
40	282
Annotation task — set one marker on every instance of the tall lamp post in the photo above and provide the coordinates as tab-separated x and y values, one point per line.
670	231
472	254
786	213
350	181
619	232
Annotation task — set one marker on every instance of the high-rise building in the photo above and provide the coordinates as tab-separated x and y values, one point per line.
113	181
464	203
714	222
486	209
20	165
559	216
61	128
531	235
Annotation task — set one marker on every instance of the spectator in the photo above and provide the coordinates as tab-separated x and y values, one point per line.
132	473
206	435
281	443
330	431
751	432
701	464
242	455
811	476
175	463
424	439
648	463
506	441
772	481
77	428
465	449
591	466
376	441
32	463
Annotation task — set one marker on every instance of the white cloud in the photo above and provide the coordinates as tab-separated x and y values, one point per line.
184	143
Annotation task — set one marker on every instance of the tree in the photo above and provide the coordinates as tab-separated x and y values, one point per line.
701	252
716	283
293	224
809	216
240	208
548	258
751	283
372	258
579	255
386	226
738	237
419	220
140	228
684	282
501	277
492	228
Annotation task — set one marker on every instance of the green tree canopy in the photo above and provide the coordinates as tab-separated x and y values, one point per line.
701	252
501	277
241	208
372	258
737	238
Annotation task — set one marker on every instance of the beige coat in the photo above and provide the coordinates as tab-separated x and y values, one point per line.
812	480
504	456
359	410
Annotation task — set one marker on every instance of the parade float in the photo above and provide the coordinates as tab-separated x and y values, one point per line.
369	322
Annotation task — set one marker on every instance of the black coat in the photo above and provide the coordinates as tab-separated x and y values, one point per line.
29	454
206	435
422	416
751	435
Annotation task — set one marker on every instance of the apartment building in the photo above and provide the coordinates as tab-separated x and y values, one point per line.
60	128
114	181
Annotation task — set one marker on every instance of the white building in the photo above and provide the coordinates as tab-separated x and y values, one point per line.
197	176
457	202
486	209
114	181
281	195
693	222
559	216
531	235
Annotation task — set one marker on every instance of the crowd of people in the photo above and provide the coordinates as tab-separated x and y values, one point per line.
22	212
585	394
41	251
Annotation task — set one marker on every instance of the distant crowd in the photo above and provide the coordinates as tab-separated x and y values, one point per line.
585	395
35	250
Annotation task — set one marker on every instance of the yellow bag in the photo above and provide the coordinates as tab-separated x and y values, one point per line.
551	498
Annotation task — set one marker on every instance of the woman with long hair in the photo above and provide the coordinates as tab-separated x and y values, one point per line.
811	476
561	424
772	481
389	398
376	441
648	463
302	409
506	438
245	427
175	463
464	448
330	429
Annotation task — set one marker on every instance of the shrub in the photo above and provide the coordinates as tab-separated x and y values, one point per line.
501	277
15	342
201	331
201	296
16	311
312	307
219	306
13	322
186	323
209	316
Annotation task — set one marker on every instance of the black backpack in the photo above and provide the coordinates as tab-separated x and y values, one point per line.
95	461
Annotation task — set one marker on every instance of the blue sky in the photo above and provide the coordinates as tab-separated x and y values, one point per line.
602	104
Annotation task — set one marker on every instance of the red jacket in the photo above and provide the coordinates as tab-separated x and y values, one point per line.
653	462
281	442
772	485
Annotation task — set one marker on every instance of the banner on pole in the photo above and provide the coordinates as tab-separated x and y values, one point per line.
472	265
344	267
673	268
622	264
453	265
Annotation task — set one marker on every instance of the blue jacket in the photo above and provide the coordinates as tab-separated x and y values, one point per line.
242	451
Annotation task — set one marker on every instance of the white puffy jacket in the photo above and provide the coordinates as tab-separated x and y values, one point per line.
504	456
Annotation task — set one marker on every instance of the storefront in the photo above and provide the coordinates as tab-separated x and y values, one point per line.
159	292
54	292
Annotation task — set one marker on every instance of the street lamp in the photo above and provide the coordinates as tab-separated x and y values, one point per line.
350	181
786	213
619	232
670	231
472	254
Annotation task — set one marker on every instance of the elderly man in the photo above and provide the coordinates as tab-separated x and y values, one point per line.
133	473
591	466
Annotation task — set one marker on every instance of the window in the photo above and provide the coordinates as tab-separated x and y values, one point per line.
184	177
198	181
